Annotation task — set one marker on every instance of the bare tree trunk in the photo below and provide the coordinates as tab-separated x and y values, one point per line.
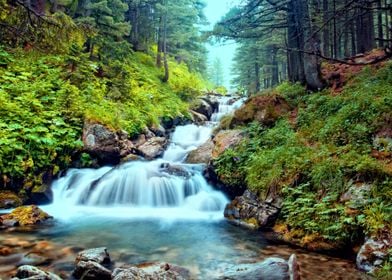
326	35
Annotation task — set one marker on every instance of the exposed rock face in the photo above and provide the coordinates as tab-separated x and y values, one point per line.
269	269
226	139
248	211
202	154
9	199
31	272
107	145
153	148
24	216
374	252
265	109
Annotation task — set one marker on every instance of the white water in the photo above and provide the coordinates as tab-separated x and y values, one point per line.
163	188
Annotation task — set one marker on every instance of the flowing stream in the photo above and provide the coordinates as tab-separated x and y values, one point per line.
163	210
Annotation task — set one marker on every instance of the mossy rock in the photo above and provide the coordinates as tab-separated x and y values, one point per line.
265	109
25	216
9	199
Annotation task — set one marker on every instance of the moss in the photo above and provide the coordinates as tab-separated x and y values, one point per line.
9	199
27	215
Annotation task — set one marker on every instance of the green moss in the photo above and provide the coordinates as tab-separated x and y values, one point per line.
27	215
9	199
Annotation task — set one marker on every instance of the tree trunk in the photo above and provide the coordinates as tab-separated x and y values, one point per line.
312	64
326	39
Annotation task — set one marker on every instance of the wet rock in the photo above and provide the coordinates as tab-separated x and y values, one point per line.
151	271
269	269
9	199
132	273
90	270
34	259
158	130
203	107
374	252
153	148
203	154
213	102
25	216
248	211
226	139
130	157
294	270
98	255
198	118
176	170
31	272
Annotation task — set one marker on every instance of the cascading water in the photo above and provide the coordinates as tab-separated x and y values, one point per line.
164	187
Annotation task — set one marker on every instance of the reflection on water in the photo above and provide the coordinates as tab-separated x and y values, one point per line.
205	248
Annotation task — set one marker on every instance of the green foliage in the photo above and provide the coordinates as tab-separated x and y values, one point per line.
316	158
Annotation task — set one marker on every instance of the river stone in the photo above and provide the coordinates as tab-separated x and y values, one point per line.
202	107
294	269
90	270
203	154
149	272
248	211
176	170
198	118
269	269
98	255
153	148
31	272
373	253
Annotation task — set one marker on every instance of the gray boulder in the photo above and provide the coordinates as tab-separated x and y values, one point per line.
90	270
153	148
31	272
98	255
248	211
269	269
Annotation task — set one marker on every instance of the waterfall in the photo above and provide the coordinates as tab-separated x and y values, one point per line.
159	188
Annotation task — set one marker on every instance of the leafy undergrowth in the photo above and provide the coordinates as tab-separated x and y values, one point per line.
45	99
324	159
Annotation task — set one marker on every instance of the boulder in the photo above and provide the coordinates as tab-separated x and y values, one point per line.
269	269
198	118
31	272
90	270
106	145
158	130
153	148
98	255
153	271
24	216
203	107
213	102
374	252
226	139
9	199
202	154
248	211
176	170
